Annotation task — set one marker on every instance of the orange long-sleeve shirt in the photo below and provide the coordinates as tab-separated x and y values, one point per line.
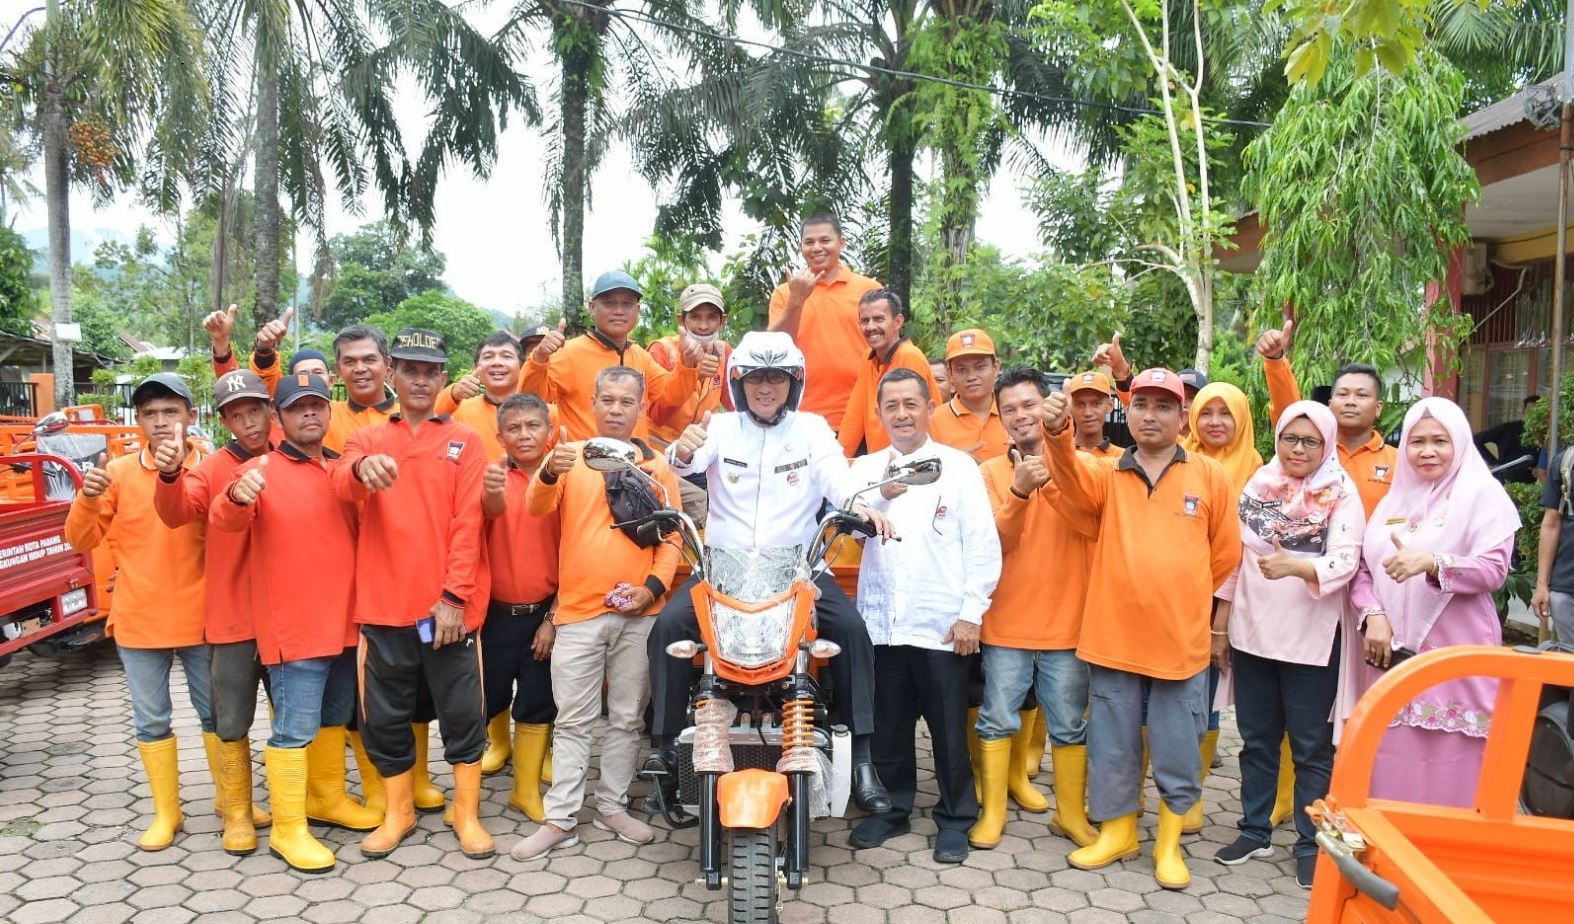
1163	550
568	380
667	424
521	547
1370	465
860	418
159	590
186	498
592	556
345	418
420	540
1046	552
830	340
983	438
302	548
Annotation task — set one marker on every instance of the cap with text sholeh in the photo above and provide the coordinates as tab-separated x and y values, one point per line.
417	344
241	383
970	342
1088	381
612	280
1160	380
150	387
293	388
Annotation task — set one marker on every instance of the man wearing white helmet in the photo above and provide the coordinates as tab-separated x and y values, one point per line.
770	469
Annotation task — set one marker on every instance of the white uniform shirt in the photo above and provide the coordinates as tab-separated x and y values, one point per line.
913	591
766	484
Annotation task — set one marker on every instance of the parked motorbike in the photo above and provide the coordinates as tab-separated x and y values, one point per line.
759	758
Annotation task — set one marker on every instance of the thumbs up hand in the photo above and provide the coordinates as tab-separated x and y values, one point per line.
564	455
220	325
1273	344
248	487
692	438
467	387
551	343
496	479
1408	562
170	454
1110	354
1282	564
95	481
273	332
1056	412
709	361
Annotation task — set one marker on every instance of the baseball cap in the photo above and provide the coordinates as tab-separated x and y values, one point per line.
420	345
614	279
241	383
149	388
308	353
1192	379
536	333
292	388
1088	381
970	342
1160	380
701	293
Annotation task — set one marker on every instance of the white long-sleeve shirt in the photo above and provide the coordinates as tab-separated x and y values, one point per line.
948	560
766	484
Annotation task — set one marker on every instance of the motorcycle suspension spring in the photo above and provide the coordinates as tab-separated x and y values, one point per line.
798	724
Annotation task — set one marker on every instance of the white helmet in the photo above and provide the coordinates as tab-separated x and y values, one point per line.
761	350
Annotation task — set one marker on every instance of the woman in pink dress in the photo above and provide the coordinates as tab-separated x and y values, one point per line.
1434	551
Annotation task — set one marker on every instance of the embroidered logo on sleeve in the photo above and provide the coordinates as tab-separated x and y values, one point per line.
1191	503
455	449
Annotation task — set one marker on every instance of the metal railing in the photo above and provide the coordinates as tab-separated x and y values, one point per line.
18	399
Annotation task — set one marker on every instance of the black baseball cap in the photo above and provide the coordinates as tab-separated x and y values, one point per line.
420	345
292	388
241	383
150	388
537	332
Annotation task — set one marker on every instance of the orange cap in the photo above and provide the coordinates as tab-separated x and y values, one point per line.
970	342
1089	381
1162	380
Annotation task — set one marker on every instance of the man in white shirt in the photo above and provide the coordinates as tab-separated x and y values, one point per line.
923	599
769	469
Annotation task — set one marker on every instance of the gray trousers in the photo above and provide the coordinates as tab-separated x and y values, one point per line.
1563	616
1177	719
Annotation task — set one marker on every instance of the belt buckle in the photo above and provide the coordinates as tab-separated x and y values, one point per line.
523	609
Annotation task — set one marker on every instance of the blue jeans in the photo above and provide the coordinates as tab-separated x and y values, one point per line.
147	677
1058	678
302	691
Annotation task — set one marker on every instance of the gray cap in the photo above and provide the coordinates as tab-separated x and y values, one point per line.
150	388
614	279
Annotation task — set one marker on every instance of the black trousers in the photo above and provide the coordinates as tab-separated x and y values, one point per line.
913	683
234	671
507	658
836	619
394	664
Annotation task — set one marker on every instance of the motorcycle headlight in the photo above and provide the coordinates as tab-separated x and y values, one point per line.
752	639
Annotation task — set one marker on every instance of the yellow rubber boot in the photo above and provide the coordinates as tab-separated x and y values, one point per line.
233	782
1142	776
1192	823
1035	744
530	750
1284	798
428	798
474	841
212	747
327	803
973	752
290	840
1071	785
1169	861
371	780
398	817
1117	841
1018	783
994	759
546	761
161	762
497	752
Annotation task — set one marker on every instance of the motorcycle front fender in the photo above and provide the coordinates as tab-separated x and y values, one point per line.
750	798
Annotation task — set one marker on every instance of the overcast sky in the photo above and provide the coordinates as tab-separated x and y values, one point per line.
496	233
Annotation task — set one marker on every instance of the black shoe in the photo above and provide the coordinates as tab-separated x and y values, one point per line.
1243	849
1304	868
872	832
662	770
868	792
951	847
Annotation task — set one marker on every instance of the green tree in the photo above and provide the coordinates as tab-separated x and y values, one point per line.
374	270
667	267
18	303
1390	32
462	324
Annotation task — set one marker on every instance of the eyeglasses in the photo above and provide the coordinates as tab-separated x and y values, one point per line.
1309	443
767	376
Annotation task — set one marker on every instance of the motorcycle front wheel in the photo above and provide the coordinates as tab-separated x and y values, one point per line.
751	873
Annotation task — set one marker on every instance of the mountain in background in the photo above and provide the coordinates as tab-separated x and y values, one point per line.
83	240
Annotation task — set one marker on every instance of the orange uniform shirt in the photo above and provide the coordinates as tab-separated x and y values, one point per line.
568	380
420	540
832	345
186	498
667	424
1371	465
983	438
592	556
860	419
1104	450
302	556
159	589
521	547
347	417
1046	552
1162	552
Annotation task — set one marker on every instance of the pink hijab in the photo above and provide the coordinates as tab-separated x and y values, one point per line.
1463	513
1276	505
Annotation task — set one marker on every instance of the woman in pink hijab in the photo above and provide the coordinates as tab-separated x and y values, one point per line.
1435	549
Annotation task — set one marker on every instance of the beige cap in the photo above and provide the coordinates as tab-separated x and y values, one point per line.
701	293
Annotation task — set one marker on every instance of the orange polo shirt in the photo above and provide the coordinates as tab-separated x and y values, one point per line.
159	588
833	346
568	380
186	498
592	556
1163	551
1046	553
521	547
1371	465
667	424
860	417
425	531
983	438
1104	450
347	417
302	540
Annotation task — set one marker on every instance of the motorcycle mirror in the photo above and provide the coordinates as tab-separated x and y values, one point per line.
605	454
920	472
50	423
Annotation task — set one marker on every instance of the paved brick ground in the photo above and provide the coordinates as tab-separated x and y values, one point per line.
72	800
